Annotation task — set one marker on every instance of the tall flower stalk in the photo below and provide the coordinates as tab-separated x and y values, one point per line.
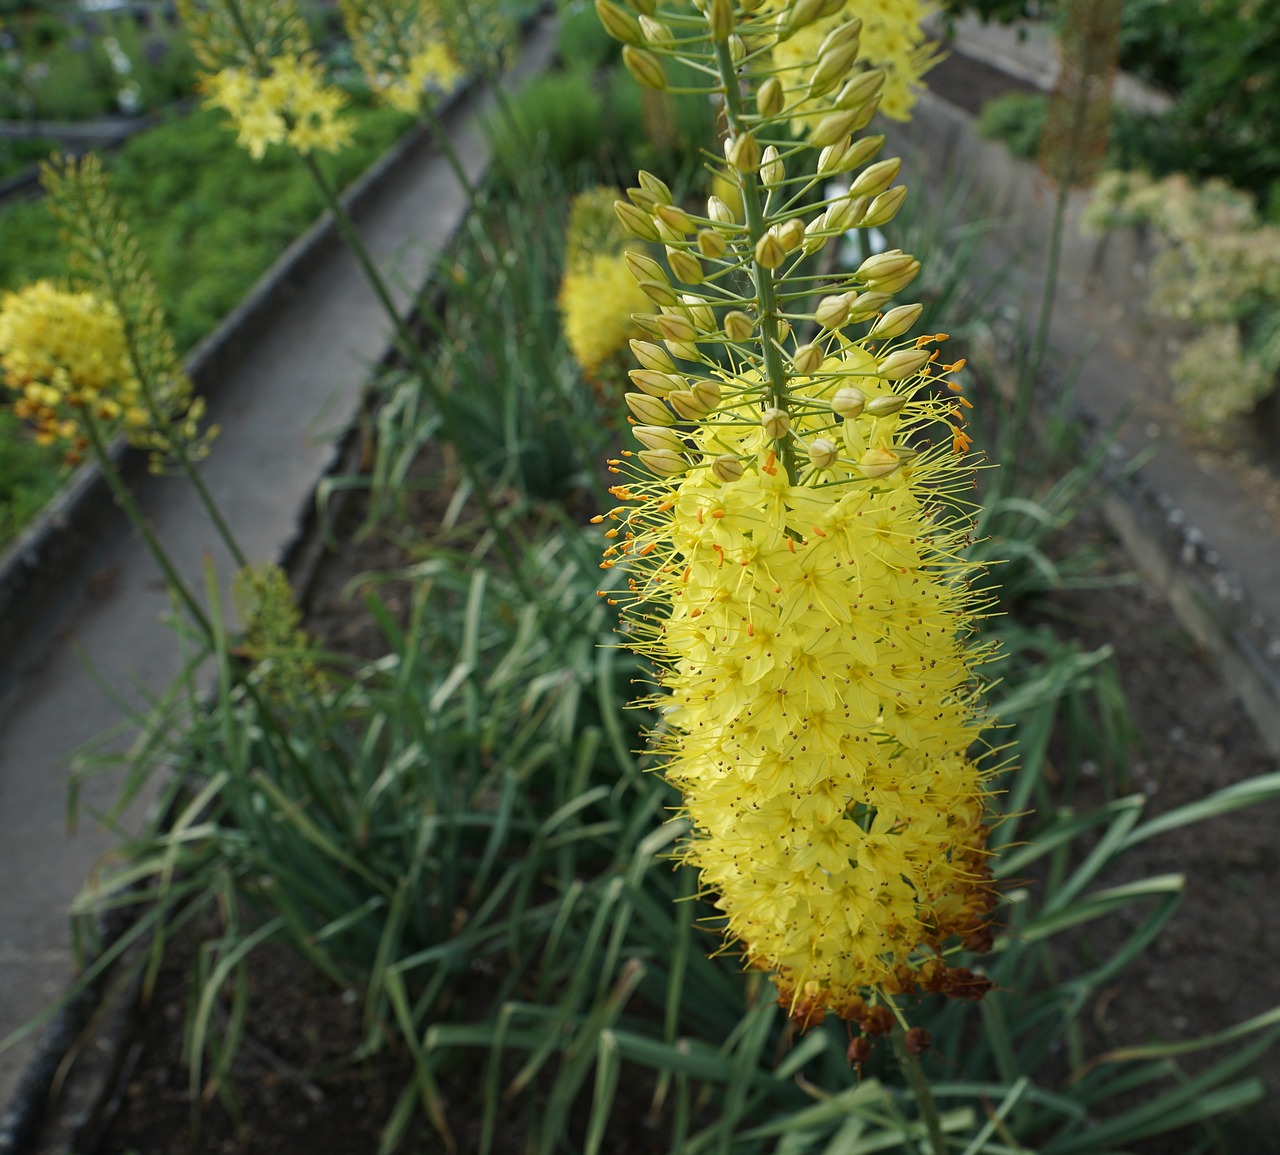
793	527
96	359
249	42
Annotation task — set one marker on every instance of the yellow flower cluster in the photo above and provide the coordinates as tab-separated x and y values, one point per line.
598	293
891	40
292	104
818	700
64	354
400	47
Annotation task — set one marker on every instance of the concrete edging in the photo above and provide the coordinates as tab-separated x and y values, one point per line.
1210	598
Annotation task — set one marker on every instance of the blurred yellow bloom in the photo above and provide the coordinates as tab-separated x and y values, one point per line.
401	49
291	105
63	353
599	292
891	39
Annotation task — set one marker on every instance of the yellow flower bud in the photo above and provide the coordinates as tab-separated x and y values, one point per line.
656	382
643	268
868	305
771	170
673	216
769	253
833	312
888	272
874	180
655	32
833	127
738	326
848	402
643	198
707	393
652	356
664	462
618	22
791	234
659	437
776	424
770	98
896	321
864	87
737	49
903	363
842	34
876	463
720	212
743	152
685	265
823	453
711	244
886	405
637	222
833	67
700	313
844	214
688	404
884	208
862	150
688	350
659	292
720	18
800	14
655	186
727	468
832	160
677	326
648	409
816	233
807	360
644	66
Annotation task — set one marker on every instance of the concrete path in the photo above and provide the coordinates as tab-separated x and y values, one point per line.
280	410
1203	527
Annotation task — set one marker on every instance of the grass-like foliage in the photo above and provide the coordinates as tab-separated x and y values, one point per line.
473	800
473	803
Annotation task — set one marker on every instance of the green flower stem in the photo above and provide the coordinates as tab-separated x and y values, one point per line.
775	371
412	352
1040	340
192	474
909	1064
119	294
133	511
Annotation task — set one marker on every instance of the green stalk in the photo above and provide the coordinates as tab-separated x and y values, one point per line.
1040	340
133	511
412	351
192	474
775	371
909	1064
118	294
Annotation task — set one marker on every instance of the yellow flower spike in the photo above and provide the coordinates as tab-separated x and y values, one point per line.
795	574
599	292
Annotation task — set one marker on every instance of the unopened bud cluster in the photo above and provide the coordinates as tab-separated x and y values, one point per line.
795	569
